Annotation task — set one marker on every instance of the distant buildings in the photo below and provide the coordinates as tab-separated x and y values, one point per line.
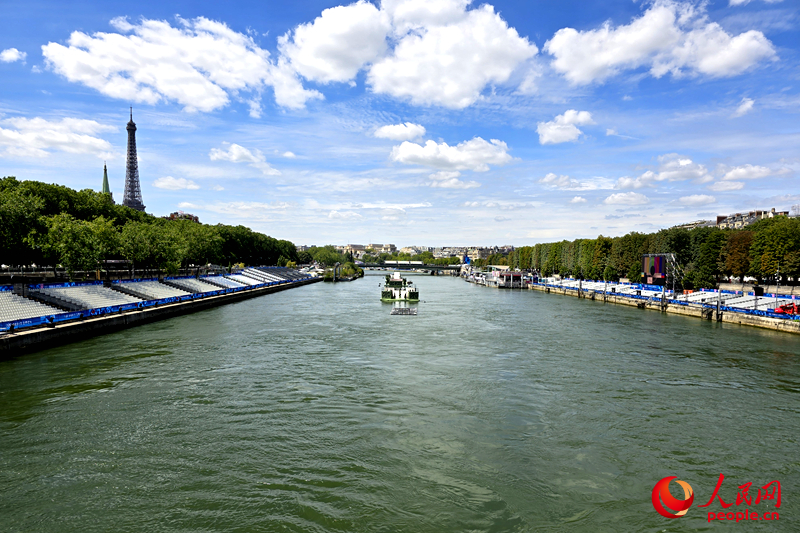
180	215
739	220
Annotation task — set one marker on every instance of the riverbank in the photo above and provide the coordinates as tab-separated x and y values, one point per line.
33	339
705	313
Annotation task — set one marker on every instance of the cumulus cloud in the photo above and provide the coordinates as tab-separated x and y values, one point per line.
752	172
10	55
38	137
578	200
697	199
726	186
476	154
449	180
672	167
175	184
670	37
564	127
200	64
400	132
444	54
240	154
745	107
627	198
338	43
289	155
559	182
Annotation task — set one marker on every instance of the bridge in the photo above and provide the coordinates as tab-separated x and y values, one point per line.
411	265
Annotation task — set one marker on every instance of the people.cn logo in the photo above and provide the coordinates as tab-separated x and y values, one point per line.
674	506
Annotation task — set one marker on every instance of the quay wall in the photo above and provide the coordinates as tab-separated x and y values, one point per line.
704	313
34	339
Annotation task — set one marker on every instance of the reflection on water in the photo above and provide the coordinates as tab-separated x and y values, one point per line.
316	410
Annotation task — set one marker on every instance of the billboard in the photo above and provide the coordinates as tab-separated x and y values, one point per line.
654	266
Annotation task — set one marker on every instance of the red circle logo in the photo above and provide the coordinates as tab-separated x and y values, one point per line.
677	507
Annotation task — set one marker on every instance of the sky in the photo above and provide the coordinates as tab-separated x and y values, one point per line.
412	122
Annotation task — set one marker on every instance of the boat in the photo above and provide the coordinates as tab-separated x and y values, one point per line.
398	289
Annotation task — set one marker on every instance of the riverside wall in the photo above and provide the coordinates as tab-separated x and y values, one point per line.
704	313
34	339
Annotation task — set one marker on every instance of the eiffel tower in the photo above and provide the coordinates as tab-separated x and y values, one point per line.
133	192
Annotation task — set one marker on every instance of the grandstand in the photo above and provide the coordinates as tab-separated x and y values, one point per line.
224	281
87	296
193	285
13	307
41	302
153	290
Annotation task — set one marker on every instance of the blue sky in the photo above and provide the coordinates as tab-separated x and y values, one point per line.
435	122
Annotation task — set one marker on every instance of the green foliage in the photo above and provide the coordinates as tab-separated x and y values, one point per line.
326	255
53	224
704	254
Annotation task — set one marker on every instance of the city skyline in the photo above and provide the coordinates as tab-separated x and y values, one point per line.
419	123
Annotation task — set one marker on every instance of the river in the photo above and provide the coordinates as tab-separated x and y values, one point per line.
314	410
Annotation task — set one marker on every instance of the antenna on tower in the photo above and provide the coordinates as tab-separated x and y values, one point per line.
131	113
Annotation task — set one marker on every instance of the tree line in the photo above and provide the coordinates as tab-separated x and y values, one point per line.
53	225
768	250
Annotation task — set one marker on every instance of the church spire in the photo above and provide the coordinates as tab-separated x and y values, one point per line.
106	189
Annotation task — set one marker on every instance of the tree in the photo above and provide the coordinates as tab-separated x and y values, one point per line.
735	256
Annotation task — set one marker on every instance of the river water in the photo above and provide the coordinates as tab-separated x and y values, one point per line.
315	410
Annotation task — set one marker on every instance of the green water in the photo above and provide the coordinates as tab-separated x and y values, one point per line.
315	410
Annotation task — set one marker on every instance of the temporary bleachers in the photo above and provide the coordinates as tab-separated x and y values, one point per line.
194	285
155	290
244	280
228	282
14	307
89	296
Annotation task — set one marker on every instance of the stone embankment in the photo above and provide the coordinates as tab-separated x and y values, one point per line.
705	313
34	339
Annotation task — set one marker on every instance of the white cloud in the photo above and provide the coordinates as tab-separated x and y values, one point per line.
752	172
559	182
726	186
175	184
200	64
289	155
564	127
578	200
449	180
400	132
217	188
672	167
344	215
745	107
697	199
240	154
37	137
10	55
476	154
670	37
627	198
610	132
745	2
446	55
338	43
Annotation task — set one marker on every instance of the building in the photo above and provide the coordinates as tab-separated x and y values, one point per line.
356	250
740	220
383	248
133	192
696	224
180	215
106	189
